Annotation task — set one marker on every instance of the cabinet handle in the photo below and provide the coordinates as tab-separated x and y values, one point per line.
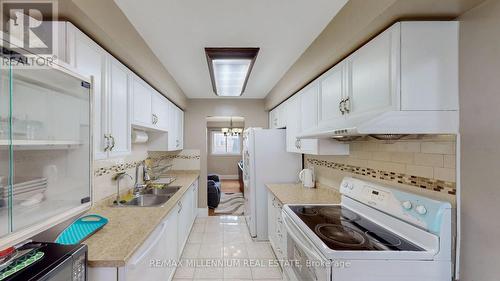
300	144
106	140
155	119
180	206
347	105
341	106
112	142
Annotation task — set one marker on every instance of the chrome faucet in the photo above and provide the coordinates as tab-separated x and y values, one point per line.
117	178
138	187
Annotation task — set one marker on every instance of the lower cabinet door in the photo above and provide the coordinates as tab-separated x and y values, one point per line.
271	220
185	218
195	201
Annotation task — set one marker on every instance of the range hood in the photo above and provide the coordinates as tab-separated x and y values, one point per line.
389	123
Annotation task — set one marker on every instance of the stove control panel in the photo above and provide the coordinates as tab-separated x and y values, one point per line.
415	209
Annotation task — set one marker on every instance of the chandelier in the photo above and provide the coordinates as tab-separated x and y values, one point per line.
231	131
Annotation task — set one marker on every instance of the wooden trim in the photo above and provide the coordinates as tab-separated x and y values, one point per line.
230	53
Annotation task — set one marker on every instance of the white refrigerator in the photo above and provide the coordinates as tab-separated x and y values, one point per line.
265	160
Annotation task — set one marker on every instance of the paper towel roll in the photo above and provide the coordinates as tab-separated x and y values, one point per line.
139	136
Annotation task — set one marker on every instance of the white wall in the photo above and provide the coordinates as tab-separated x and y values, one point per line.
480	153
195	126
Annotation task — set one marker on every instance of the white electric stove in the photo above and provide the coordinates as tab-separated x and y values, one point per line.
377	233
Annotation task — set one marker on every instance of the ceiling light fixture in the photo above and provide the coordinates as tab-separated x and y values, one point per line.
229	69
231	131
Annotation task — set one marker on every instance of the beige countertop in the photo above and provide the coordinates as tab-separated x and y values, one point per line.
294	193
129	227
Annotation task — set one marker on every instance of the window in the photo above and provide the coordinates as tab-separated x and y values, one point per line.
225	145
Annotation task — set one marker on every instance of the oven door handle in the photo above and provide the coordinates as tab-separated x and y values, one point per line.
290	232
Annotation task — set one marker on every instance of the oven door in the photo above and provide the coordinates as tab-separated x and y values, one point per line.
306	263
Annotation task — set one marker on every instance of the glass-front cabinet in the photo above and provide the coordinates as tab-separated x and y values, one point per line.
45	144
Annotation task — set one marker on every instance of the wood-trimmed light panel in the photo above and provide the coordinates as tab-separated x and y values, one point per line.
230	53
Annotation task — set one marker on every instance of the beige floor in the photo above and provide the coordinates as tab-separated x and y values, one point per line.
220	248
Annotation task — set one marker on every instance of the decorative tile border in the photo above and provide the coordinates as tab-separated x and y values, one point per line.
420	182
115	168
174	156
129	165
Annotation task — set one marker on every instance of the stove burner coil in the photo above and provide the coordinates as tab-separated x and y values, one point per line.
341	235
334	213
308	211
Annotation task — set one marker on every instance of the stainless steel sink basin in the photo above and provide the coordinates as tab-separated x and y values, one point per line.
148	200
164	180
166	190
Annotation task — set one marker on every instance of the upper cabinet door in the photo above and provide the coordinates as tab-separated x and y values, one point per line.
309	117
180	129
273	119
292	124
309	107
172	127
90	60
282	115
141	100
119	108
160	109
331	94
373	81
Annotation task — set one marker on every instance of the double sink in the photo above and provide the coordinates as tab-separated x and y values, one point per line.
157	194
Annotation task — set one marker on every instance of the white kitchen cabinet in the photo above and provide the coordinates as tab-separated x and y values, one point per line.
429	65
185	213
273	118
277	117
118	108
308	117
111	93
160	111
180	128
332	91
277	236
170	136
175	128
142	102
408	72
293	124
89	59
195	200
301	114
372	72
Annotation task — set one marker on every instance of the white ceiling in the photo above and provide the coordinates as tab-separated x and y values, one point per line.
178	31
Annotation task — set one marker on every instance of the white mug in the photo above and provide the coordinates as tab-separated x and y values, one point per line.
306	176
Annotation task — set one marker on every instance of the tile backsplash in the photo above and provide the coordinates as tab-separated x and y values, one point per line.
104	170
423	163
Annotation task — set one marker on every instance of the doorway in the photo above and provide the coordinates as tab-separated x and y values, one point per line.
224	182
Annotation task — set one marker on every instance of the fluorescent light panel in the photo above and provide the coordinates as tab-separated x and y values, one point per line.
230	69
230	76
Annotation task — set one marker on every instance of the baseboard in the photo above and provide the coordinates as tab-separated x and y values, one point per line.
228	177
202	212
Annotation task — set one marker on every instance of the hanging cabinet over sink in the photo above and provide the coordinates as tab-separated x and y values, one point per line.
122	99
